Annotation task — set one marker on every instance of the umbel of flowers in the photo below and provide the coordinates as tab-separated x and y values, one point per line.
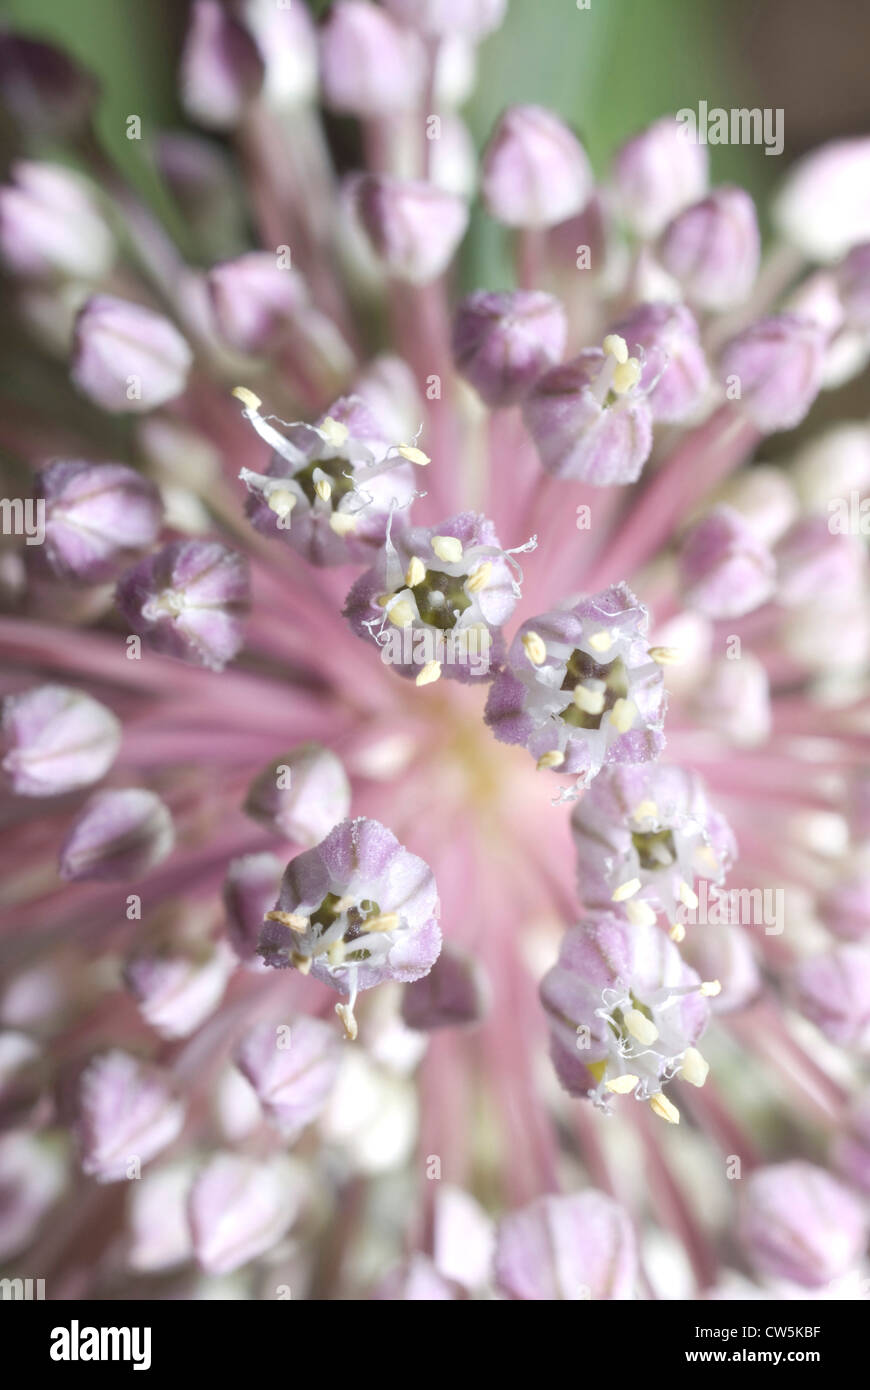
314	672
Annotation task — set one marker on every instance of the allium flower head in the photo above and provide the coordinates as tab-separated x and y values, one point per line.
368	449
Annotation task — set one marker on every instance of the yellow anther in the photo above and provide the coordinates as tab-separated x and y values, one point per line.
448	549
645	810
626	375
626	890
344	904
710	988
294	920
677	932
534	648
622	715
695	1068
281	501
385	921
589	701
667	656
641	1027
414	455
323	488
479	578
640	913
351	1028
335	953
247	398
664	1108
616	347
401	614
621	1085
552	759
601	641
302	963
415	573
688	897
383	599
342	523
430	672
334	432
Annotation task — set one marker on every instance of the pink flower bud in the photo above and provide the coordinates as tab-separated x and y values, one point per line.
675	373
255	301
845	908
764	496
463	1238
859	806
713	249
301	794
504	342
454	994
851	1149
812	560
776	366
582	430
853	282
50	224
824	205
453	158
250	891
127	1113
725	571
239	1208
46	92
441	18
292	1069
221	67
832	990
188	600
413	227
159	1229
120	834
735	700
416	1280
535	172
178	982
32	1177
799	1223
127	358
97	517
725	953
656	174
287	39
831	464
57	739
389	388
580	1246
370	65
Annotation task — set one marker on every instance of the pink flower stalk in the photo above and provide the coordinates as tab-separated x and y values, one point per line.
273	672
